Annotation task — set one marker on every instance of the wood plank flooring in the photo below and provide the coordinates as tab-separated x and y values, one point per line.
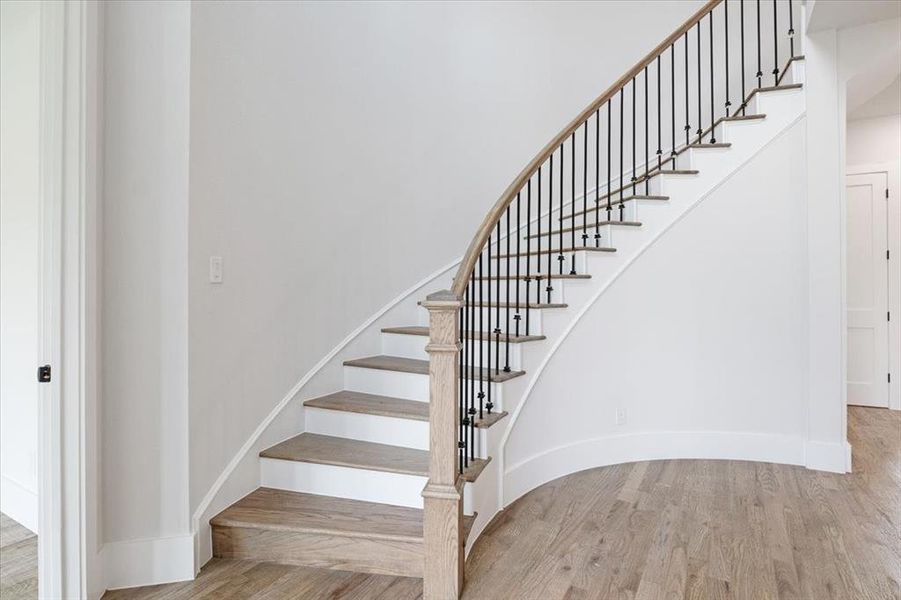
673	529
18	561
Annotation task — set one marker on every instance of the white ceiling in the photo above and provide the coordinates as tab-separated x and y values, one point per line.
884	103
838	14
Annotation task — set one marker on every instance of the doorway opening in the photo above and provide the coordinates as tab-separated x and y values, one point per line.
873	236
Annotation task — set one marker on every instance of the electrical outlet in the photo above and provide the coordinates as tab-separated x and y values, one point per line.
620	416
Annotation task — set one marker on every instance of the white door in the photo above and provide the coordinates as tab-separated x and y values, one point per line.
867	289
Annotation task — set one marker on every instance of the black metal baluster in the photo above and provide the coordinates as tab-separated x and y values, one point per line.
775	44
560	258
700	131
470	384
659	120
584	183
528	249
538	241
622	109
473	366
759	70
609	154
647	160
550	227
634	178
744	89
712	88
791	30
497	312
572	200
687	124
597	177
507	299
672	81
726	19
517	317
483	335
462	400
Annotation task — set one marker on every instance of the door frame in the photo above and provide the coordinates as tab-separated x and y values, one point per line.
892	169
68	565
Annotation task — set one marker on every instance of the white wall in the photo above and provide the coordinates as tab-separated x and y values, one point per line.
19	274
145	294
691	341
871	141
340	152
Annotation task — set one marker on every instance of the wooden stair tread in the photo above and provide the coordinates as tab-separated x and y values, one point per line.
702	145
266	508
532	276
281	510
588	227
423	330
565	250
372	404
421	367
355	454
386	406
741	118
522	305
344	452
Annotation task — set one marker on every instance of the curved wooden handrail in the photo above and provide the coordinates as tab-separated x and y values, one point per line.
461	279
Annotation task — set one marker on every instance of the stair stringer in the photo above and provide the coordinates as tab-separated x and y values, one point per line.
783	109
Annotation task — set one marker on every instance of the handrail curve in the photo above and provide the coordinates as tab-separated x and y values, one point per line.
461	279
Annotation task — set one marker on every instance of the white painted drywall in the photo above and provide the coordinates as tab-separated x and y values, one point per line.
871	141
342	151
703	337
19	252
145	293
833	57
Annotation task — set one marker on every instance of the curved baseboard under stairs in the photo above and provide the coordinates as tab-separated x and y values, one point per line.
346	493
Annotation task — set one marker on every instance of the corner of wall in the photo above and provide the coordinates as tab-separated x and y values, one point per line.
135	563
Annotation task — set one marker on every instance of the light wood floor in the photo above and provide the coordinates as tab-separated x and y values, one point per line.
673	529
18	561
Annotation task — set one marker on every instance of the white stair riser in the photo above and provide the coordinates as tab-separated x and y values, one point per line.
413	346
671	185
344	482
535	316
558	294
707	159
568	257
797	74
409	386
368	428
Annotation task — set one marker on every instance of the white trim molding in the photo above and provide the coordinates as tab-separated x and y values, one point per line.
19	503
551	464
68	557
133	563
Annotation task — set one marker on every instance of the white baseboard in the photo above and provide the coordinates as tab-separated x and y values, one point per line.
19	503
134	563
617	449
828	456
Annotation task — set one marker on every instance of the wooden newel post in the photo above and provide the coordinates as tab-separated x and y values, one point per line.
443	494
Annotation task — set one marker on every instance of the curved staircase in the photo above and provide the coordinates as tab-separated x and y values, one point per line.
348	492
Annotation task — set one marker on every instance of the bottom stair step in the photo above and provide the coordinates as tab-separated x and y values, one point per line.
323	531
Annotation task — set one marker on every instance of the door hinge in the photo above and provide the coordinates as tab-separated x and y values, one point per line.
889	377
44	374
886	192
888	316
